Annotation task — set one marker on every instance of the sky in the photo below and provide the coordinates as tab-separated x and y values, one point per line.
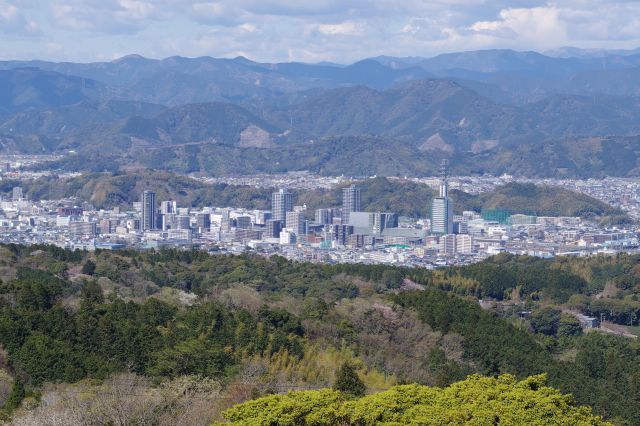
340	31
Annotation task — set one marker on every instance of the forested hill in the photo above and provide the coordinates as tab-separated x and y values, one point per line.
180	336
544	201
378	194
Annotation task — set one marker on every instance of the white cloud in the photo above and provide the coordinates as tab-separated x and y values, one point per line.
539	27
106	16
344	28
135	10
13	22
336	30
217	13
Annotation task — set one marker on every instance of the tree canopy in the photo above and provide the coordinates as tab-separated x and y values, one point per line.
478	400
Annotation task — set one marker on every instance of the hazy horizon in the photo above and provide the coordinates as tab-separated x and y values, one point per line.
327	30
553	53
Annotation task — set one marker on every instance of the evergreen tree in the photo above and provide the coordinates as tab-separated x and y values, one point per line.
16	395
89	267
347	380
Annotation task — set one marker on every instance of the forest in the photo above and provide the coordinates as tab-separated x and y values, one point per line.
159	337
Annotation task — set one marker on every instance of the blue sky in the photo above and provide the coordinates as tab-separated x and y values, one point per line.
310	31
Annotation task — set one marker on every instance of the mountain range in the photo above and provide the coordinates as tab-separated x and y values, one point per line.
567	113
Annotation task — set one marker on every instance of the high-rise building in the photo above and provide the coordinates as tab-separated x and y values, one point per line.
373	222
108	226
203	222
225	220
441	207
340	233
378	222
350	201
168	207
148	220
281	203
273	228
16	193
296	223
324	216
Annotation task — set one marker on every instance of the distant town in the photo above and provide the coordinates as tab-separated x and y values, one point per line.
332	235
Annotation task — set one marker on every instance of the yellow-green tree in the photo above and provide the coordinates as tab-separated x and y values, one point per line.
478	400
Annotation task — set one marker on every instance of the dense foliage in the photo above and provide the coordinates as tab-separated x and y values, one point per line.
496	347
47	341
477	400
69	315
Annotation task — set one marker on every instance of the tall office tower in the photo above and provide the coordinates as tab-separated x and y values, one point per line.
378	222
350	202
203	222
168	207
273	228
148	220
281	203
296	223
225	221
340	233
17	193
324	216
441	207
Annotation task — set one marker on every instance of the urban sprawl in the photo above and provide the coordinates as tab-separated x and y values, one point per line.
332	235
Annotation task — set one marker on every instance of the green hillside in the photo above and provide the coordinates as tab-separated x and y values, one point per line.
175	335
545	201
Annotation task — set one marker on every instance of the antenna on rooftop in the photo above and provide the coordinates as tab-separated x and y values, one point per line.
444	169
444	175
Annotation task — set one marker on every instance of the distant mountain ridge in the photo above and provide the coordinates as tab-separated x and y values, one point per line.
178	80
487	111
26	88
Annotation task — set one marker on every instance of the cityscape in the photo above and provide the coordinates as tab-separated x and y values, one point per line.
328	213
332	235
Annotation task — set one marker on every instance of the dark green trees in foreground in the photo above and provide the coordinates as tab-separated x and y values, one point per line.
57	325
